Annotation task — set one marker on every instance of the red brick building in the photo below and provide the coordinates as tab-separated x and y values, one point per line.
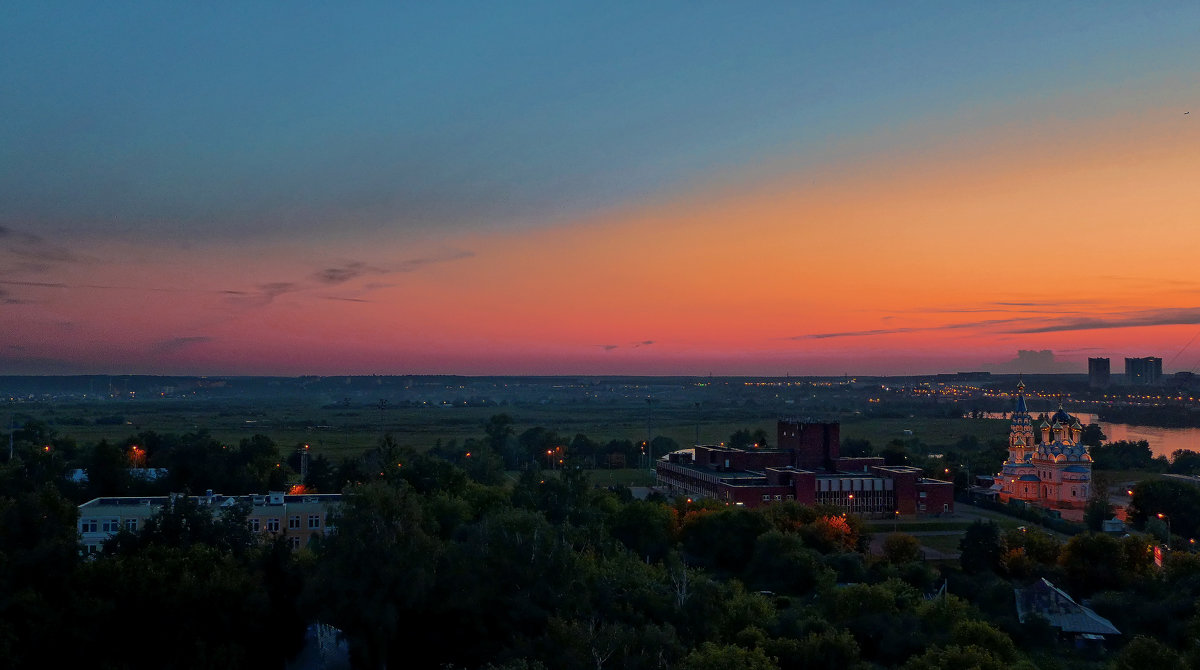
808	469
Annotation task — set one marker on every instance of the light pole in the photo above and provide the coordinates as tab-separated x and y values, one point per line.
1166	518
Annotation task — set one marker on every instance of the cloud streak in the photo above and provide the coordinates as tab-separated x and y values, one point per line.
1144	319
1161	317
175	344
30	247
915	329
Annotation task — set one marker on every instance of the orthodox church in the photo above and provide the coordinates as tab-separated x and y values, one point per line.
1054	472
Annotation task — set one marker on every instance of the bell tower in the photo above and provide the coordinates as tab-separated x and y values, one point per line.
1020	433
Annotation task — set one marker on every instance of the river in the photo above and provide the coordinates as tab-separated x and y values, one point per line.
1163	441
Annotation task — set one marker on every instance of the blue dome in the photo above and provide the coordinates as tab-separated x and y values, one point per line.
1062	417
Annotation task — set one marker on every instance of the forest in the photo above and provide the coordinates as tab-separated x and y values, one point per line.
446	559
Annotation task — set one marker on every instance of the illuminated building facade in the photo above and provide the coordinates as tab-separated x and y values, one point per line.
806	468
1055	472
298	518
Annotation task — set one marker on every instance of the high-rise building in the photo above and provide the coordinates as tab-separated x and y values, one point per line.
1099	370
1143	371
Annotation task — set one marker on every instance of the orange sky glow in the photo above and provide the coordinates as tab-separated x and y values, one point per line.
920	261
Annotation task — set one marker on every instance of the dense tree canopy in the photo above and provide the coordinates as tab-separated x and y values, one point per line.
443	559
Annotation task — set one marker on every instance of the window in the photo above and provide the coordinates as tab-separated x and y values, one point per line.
766	497
87	526
254	525
294	542
111	525
921	507
294	522
314	520
922	494
273	525
779	497
131	525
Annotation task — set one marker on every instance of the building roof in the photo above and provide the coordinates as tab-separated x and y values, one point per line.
1062	417
1053	604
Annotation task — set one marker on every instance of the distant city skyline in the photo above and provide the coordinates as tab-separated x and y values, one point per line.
862	188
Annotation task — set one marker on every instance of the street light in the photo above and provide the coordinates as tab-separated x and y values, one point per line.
1166	518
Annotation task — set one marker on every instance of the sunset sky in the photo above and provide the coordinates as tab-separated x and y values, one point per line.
598	188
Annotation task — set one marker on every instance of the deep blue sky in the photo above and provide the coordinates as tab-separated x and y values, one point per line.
234	118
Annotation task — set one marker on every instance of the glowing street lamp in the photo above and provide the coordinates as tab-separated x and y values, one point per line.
1166	518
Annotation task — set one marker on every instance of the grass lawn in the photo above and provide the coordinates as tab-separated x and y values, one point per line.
947	544
933	432
884	527
622	477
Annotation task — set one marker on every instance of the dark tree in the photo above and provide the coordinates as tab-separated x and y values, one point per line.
1092	435
373	576
982	547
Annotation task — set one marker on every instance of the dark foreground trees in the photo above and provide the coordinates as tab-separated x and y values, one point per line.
433	564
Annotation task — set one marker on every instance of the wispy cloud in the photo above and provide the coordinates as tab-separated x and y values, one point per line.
345	272
1038	324
634	345
915	329
413	264
350	270
177	343
1160	317
7	298
263	295
32	247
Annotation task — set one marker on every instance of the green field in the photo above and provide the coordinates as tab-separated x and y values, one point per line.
341	431
931	431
